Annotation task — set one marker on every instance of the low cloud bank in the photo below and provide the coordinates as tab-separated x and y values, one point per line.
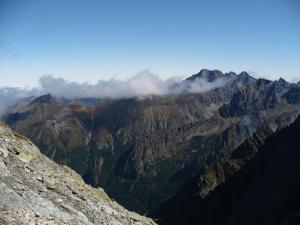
144	84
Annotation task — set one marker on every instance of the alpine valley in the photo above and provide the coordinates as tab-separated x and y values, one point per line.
159	153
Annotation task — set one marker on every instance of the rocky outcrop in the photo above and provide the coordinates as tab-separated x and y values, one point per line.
35	190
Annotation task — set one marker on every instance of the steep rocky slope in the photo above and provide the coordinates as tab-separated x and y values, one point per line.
259	184
147	148
35	190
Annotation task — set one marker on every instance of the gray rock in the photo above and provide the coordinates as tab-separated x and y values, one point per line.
35	190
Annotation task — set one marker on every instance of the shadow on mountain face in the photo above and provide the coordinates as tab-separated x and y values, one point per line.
266	191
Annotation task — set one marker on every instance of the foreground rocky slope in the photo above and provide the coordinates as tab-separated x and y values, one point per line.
147	148
259	184
35	190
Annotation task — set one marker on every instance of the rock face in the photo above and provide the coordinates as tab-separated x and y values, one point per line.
35	190
259	184
147	148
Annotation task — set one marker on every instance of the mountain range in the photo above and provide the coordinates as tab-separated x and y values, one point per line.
151	147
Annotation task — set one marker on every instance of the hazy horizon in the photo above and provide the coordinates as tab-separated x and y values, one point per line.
144	73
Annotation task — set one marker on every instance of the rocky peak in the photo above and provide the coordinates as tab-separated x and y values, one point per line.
35	190
208	75
245	77
231	75
282	81
281	84
48	98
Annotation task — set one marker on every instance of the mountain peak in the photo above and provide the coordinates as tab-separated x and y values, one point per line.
208	75
244	76
231	74
281	80
44	99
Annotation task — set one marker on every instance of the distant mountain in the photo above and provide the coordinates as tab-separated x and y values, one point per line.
35	190
147	148
211	75
259	184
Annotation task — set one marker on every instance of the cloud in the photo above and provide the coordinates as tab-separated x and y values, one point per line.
10	96
141	85
144	84
199	86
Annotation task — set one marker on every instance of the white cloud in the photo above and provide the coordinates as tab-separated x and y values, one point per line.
144	84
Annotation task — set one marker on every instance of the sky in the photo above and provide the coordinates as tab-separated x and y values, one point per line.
87	41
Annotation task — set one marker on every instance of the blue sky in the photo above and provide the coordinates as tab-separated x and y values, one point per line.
93	40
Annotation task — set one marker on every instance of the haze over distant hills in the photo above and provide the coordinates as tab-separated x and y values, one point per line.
147	144
144	84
